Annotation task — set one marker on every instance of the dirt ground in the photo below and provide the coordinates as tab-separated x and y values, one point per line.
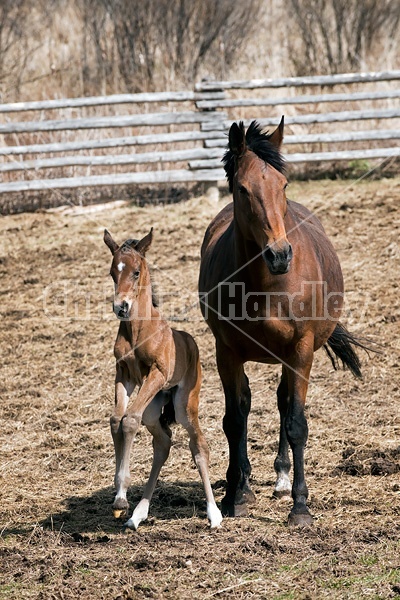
58	536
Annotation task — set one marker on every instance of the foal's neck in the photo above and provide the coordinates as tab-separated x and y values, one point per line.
145	316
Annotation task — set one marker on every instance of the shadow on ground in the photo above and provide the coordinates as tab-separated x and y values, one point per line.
91	514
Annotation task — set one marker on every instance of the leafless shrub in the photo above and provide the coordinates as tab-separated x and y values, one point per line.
156	43
206	35
13	42
338	35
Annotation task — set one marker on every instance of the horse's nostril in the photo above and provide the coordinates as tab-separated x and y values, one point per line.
268	254
290	252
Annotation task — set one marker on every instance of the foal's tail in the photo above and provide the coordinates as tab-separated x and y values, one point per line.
341	342
168	414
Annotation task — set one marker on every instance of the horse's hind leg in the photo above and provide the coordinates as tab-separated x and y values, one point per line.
186	413
237	407
161	446
123	390
283	487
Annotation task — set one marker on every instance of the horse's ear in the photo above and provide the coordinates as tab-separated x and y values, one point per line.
108	240
145	243
237	139
277	136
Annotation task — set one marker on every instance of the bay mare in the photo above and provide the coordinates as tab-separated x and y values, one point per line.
271	290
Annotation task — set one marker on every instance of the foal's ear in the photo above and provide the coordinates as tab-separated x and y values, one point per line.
237	139
108	240
277	136
145	243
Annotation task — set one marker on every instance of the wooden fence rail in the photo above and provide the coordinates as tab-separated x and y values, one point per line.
186	131
312	80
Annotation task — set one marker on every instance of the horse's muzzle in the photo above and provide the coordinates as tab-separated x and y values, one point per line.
278	261
121	310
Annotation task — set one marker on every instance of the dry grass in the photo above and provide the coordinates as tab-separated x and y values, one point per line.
58	537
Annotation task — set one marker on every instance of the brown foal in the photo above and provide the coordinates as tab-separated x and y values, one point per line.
164	364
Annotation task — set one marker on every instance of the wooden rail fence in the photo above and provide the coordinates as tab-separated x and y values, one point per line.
187	144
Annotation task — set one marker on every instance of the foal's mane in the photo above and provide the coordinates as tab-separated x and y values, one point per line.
129	245
258	142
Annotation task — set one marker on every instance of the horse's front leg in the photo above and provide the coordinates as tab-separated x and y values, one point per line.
237	407
297	428
161	446
283	486
123	389
131	421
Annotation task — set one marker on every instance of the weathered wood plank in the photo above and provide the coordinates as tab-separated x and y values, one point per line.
112	160
344	155
218	142
314	138
316	157
152	119
343	78
332	117
151	97
147	177
293	100
212	139
136	140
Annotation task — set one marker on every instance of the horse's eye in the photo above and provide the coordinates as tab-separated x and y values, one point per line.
285	186
136	274
242	189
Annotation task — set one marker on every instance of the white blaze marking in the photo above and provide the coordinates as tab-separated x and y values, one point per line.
120	266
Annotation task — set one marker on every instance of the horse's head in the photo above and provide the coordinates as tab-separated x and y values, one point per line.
254	167
129	272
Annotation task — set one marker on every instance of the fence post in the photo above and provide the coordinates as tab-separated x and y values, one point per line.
211	187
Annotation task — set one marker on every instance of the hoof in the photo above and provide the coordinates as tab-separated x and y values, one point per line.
120	508
234	510
303	519
118	513
249	498
131	524
282	494
236	505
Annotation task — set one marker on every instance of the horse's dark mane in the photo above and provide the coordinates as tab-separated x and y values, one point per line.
129	245
258	142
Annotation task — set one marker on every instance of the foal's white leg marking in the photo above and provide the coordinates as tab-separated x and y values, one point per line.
121	266
140	514
214	515
123	391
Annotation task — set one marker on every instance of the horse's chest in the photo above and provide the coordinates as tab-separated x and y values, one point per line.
138	370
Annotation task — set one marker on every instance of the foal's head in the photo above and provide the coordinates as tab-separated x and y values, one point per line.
129	272
254	168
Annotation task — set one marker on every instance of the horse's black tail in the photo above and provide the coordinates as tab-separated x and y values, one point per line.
341	342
